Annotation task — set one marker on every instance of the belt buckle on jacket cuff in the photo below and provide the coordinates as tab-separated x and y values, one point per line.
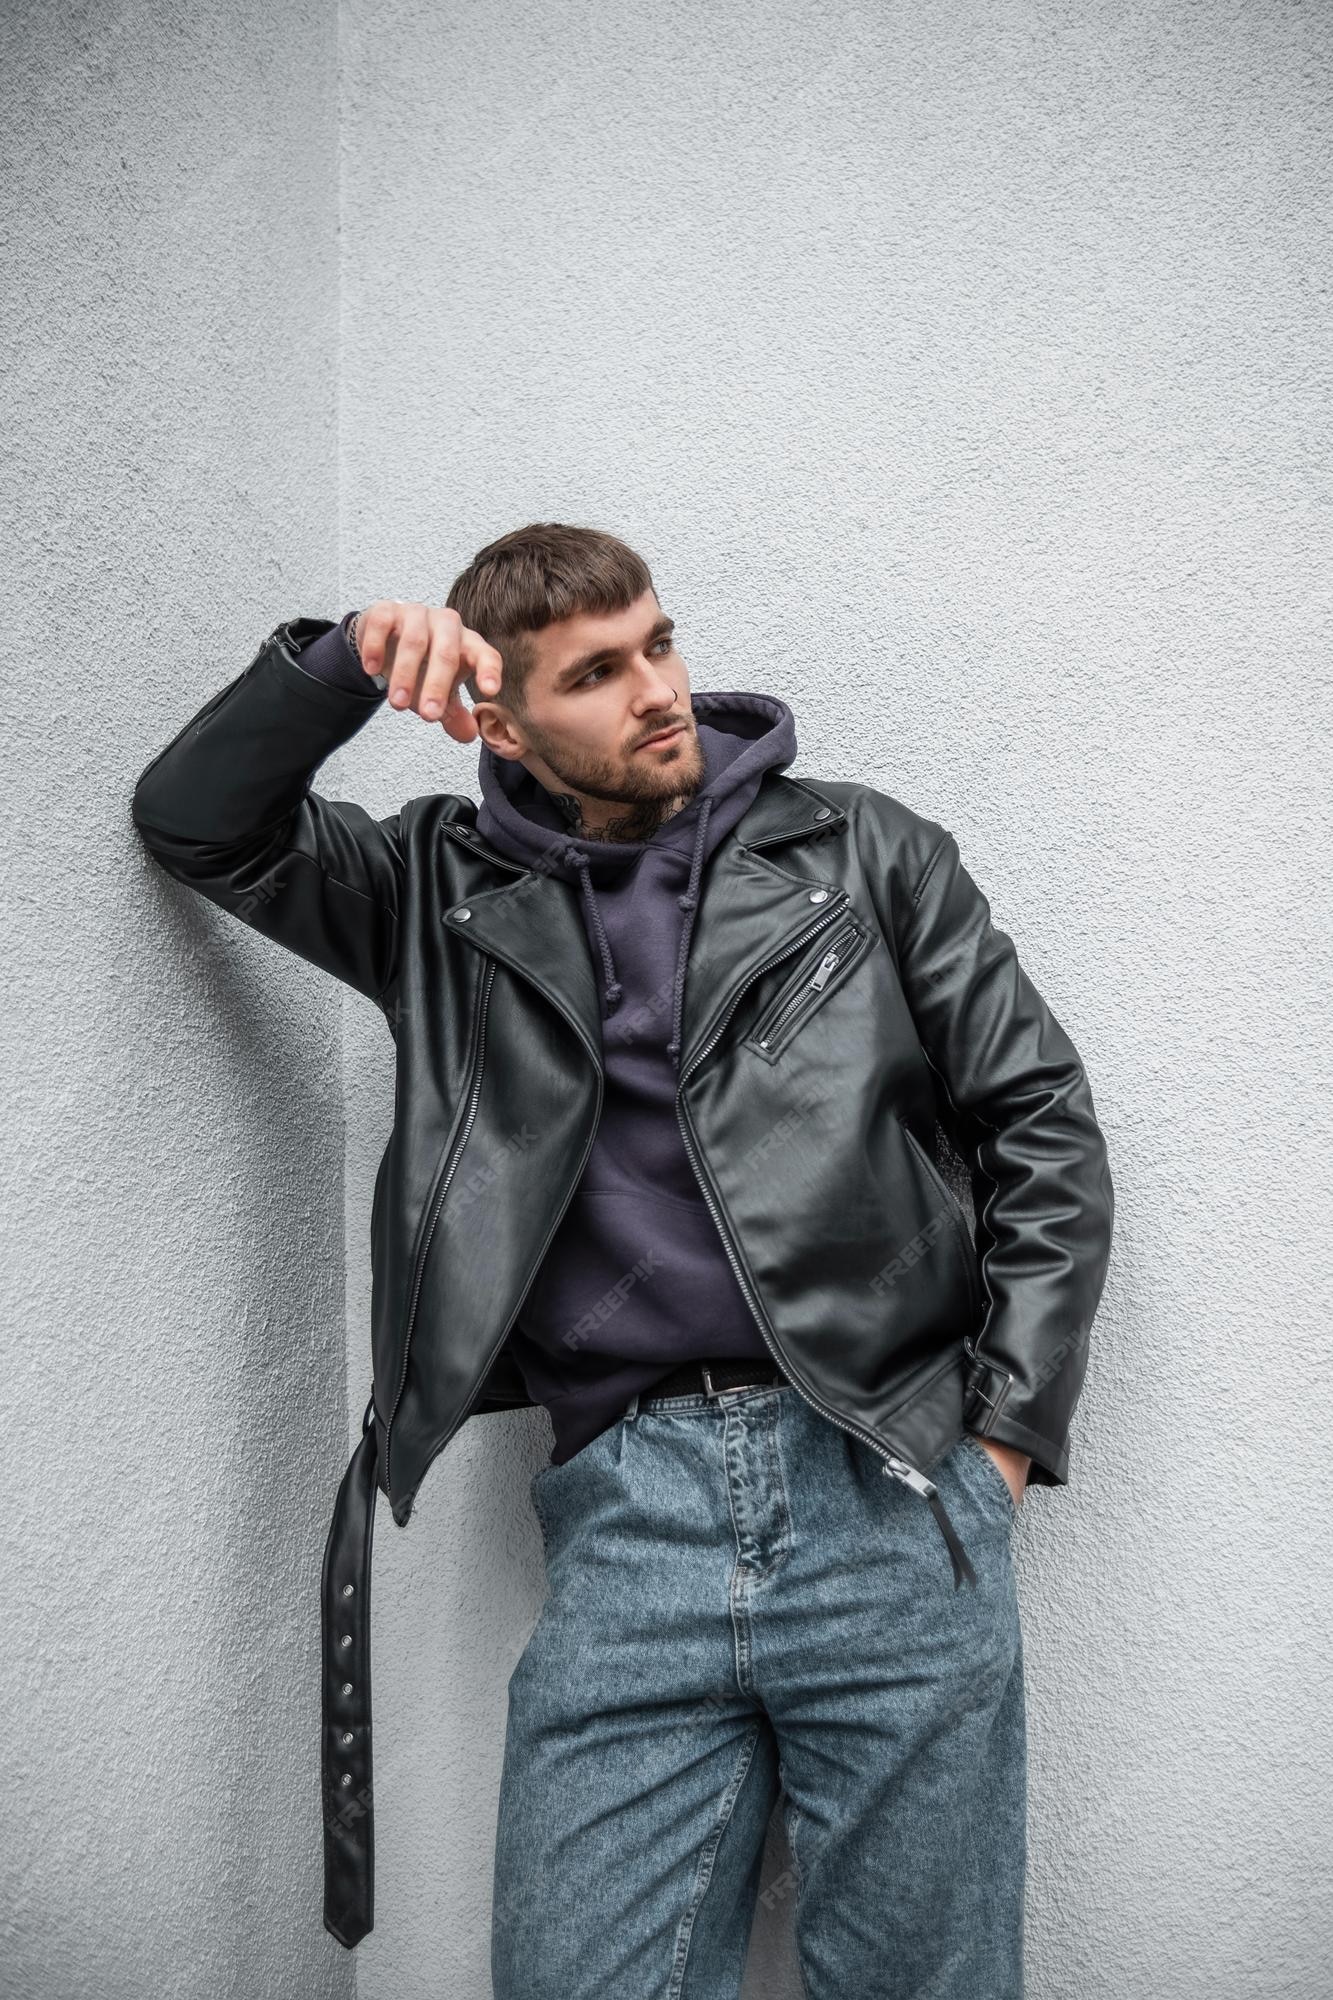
982	1409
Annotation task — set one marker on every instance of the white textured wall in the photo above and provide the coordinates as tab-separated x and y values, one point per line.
962	372
174	1390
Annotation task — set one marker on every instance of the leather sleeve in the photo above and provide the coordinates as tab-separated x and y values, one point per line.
332	658
1045	1208
227	809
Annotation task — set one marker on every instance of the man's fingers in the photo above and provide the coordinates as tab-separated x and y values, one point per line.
377	625
413	641
442	664
483	662
423	653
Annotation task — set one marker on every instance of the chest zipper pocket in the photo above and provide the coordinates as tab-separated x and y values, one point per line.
800	998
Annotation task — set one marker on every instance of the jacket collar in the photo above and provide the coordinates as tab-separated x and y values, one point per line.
750	910
743	734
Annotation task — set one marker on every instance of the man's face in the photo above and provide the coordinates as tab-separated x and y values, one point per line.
603	685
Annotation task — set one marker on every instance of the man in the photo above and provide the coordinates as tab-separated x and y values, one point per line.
674	1032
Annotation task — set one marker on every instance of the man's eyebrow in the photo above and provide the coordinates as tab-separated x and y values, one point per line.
660	628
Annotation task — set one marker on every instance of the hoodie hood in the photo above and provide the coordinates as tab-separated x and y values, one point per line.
741	735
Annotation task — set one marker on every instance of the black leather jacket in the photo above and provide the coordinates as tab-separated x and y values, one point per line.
857	995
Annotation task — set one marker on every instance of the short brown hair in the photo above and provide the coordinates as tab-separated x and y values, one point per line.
534	577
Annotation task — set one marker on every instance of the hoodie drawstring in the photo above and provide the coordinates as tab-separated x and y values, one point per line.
689	903
613	988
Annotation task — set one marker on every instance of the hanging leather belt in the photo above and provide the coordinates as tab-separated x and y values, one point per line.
346	1775
346	1762
346	1770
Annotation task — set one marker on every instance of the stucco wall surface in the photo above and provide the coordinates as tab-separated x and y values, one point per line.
174	1389
962	372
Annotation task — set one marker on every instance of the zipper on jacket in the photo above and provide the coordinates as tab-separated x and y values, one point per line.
899	1468
438	1204
489	1362
894	1467
841	946
757	1313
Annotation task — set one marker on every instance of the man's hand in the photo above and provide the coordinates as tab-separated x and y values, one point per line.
424	651
1013	1464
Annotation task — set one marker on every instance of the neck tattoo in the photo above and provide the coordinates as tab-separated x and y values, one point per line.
636	823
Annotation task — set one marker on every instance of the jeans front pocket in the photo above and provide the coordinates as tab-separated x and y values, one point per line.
976	1449
545	1492
577	1482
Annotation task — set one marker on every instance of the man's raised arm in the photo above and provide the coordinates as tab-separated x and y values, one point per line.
227	806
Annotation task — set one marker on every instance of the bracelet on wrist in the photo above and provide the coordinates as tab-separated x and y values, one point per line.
376	680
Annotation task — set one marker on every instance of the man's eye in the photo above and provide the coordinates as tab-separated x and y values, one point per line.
665	644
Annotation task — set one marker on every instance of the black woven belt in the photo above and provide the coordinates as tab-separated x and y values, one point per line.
712	1378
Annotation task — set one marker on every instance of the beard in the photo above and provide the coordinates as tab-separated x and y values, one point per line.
650	794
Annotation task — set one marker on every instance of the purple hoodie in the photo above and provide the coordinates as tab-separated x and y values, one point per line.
636	1279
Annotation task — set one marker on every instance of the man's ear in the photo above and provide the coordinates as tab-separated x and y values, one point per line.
495	726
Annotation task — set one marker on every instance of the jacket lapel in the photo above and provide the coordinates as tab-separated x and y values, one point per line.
750	910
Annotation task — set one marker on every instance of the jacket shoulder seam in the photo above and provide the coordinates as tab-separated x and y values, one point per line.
933	857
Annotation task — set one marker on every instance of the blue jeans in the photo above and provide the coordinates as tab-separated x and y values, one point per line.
743	1607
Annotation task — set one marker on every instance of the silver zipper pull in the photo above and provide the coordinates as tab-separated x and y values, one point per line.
898	1468
826	965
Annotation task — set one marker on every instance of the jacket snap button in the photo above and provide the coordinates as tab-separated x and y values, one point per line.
348	1588
823	812
347	1687
346	1778
463	912
347	1736
346	1639
819	895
